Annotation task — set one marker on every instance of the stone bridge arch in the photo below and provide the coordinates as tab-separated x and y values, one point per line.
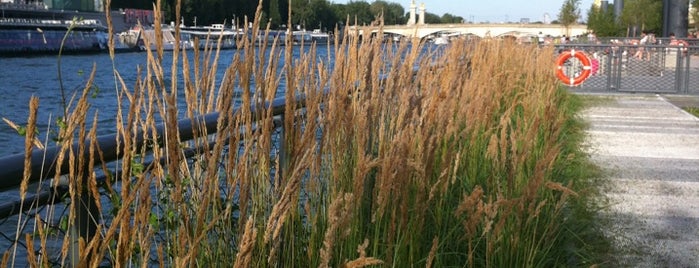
480	30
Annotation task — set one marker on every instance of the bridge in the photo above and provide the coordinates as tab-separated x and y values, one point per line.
480	30
417	28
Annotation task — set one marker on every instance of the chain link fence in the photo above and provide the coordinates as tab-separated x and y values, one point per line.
618	66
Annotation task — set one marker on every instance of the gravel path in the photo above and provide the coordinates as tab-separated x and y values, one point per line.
649	149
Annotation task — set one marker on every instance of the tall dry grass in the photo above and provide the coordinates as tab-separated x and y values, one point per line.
471	159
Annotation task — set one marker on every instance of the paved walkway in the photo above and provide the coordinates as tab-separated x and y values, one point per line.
650	151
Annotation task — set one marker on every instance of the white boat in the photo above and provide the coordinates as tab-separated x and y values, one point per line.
441	40
208	36
136	38
317	37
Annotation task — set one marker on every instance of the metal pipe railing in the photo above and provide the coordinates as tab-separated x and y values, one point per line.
43	165
12	167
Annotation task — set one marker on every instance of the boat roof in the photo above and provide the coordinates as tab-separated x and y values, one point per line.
18	23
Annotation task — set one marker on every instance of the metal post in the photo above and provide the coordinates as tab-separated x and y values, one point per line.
682	71
678	69
84	226
281	154
617	70
685	73
675	17
608	70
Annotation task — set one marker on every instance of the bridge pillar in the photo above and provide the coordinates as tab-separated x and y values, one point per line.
413	8
422	14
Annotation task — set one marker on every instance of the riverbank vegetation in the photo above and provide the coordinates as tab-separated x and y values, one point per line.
692	110
398	156
309	14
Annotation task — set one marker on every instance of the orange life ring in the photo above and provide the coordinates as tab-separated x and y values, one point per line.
573	81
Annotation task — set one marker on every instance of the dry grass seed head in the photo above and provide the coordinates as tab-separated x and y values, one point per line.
362	262
339	214
472	209
433	252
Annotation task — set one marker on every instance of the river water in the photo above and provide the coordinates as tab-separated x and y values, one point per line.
24	77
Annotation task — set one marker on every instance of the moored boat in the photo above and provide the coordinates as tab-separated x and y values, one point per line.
441	40
317	37
30	36
31	29
208	36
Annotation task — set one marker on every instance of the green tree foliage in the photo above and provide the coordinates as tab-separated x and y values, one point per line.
449	18
309	14
431	18
300	12
275	13
323	16
313	14
644	15
694	13
602	22
393	13
359	10
570	13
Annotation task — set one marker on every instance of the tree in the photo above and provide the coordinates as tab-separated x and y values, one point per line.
393	13
397	13
431	18
602	22
644	15
323	15
570	13
300	12
449	18
307	13
694	13
359	10
274	13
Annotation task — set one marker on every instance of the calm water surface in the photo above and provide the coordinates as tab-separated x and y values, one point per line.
22	78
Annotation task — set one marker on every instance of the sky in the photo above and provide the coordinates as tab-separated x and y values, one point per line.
493	10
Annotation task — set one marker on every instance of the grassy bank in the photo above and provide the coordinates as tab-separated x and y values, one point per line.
475	162
692	110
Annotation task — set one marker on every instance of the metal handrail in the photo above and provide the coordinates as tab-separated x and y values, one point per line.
12	167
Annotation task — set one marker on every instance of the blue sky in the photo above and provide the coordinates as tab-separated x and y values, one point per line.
493	10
